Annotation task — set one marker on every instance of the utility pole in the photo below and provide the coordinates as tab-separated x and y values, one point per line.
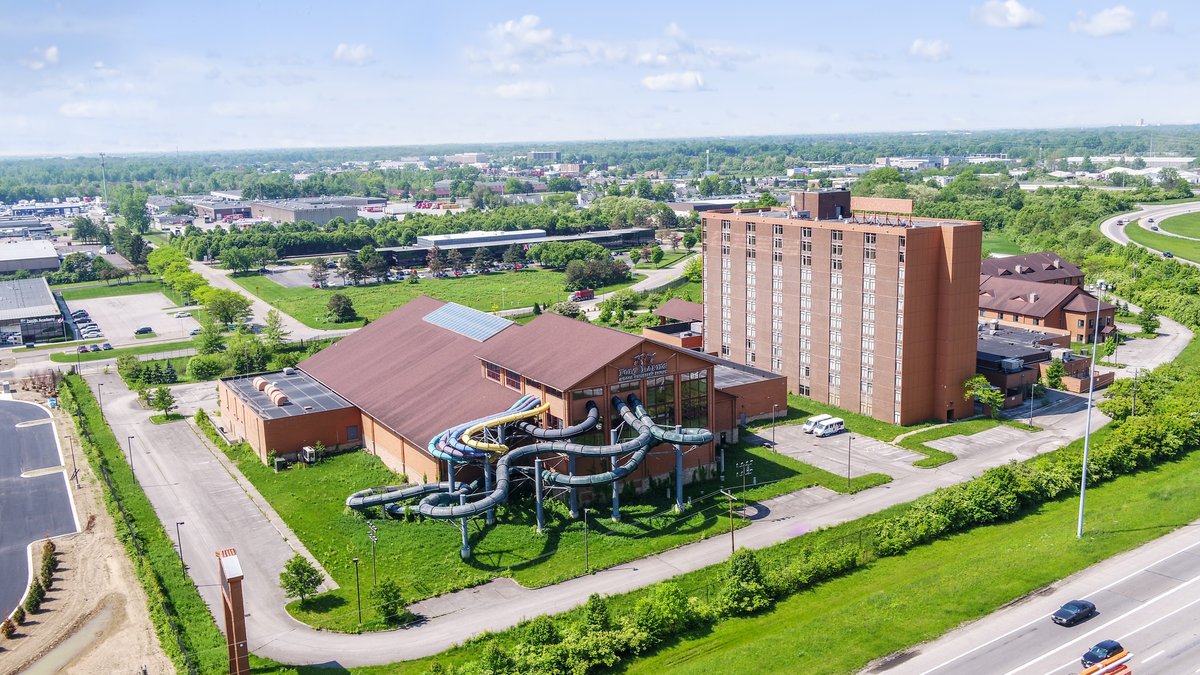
129	446
357	591
745	469
587	562
1087	435
732	547
104	181
179	543
849	446
74	469
371	534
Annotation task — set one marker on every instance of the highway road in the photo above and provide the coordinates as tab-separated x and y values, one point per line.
1148	600
1112	228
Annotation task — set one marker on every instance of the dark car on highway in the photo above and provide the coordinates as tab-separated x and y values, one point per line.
1073	612
1101	651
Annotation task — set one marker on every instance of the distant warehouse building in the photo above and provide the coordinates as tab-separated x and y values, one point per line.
28	310
497	242
480	237
32	256
319	210
23	226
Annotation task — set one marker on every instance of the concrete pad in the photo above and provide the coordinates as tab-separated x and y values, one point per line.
832	453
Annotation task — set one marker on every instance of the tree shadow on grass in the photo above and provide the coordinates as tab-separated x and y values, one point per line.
322	604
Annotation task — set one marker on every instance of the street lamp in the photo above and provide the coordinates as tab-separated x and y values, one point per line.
849	447
357	591
371	532
773	407
179	543
129	446
1087	435
587	562
100	397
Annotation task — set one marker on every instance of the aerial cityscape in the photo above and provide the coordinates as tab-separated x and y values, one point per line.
376	338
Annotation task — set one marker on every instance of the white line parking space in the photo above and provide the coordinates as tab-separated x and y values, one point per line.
119	316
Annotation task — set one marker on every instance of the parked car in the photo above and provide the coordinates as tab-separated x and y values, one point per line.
30	345
814	421
143	330
93	348
1073	612
1154	228
106	346
195	331
1168	254
182	315
82	349
829	427
1101	651
1149	220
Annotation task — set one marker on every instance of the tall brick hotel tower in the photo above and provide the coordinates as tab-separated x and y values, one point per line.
858	303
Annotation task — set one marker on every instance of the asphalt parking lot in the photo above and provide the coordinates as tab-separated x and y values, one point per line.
119	316
35	505
297	277
862	454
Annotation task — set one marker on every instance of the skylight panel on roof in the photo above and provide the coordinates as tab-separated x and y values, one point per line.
472	323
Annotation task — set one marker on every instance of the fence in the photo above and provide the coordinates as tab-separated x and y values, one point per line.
85	429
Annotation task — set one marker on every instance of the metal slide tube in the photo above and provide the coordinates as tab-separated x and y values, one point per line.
593	418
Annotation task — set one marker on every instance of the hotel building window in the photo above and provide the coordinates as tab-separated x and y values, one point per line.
660	399
869	246
693	393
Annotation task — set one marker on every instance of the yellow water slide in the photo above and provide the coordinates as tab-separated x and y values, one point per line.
497	421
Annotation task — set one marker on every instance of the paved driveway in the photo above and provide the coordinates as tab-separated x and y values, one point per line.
34	502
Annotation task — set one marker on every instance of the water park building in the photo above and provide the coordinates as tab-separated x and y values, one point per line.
394	387
860	308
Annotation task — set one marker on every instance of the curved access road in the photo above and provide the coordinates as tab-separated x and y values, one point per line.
1114	230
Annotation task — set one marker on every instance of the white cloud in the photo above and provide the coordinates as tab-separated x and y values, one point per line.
87	109
1111	21
42	58
677	50
518	42
525	91
1007	14
354	55
249	108
930	50
688	80
1160	21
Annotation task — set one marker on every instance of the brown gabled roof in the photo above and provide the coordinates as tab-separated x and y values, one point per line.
681	310
414	377
1032	267
1030	298
557	351
1085	303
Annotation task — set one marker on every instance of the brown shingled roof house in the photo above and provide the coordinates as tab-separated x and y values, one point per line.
1040	267
1049	305
430	365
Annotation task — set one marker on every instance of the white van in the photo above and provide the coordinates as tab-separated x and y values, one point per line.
829	427
814	421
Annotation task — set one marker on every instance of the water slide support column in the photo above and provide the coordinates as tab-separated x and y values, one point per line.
450	474
465	551
678	473
537	492
574	501
616	484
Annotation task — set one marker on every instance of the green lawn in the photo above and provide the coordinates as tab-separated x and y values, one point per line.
424	556
996	242
1188	249
106	291
145	336
166	419
482	291
1186	225
899	602
669	258
70	356
801	408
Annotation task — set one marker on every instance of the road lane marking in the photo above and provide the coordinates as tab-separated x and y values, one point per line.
1150	658
1043	618
1097	629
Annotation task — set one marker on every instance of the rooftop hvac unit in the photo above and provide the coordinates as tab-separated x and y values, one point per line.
1012	365
260	383
308	454
1060	353
289	371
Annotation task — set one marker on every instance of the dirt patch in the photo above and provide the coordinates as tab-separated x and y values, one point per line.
93	571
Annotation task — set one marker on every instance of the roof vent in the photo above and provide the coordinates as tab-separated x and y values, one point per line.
260	383
1033	297
289	371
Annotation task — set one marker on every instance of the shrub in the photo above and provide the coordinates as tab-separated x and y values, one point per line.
37	593
389	600
542	631
666	611
18	616
205	367
745	591
341	308
595	613
8	628
299	578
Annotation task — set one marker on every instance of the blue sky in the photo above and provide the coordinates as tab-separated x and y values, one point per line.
84	77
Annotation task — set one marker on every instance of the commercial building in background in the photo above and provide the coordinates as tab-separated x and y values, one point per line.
543	156
31	256
1046	268
871	313
467	158
23	226
319	210
50	209
392	386
28	312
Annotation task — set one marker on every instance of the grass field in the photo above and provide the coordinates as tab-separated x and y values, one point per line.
1188	249
669	258
106	291
995	242
70	356
145	336
933	456
424	556
1186	225
486	292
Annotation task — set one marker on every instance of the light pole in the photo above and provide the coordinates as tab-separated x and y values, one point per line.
1087	434
74	469
179	543
503	302
1031	405
744	469
357	591
587	562
849	447
100	397
773	407
371	534
129	446
732	548
1132	403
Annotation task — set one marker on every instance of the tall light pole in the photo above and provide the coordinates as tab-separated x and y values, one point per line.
179	543
357	591
1087	434
1132	403
587	561
129	446
744	469
74	469
773	407
100	397
849	446
729	495
371	534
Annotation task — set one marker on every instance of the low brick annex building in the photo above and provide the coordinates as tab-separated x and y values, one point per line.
429	365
